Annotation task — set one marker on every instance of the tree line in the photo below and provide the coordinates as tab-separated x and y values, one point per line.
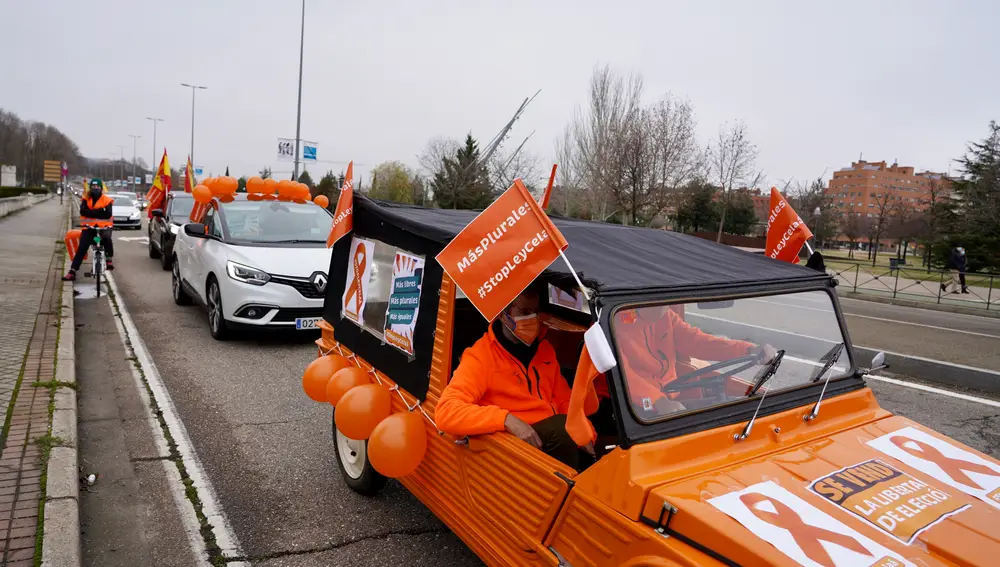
28	144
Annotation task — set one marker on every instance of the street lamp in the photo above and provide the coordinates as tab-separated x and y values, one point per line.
152	164
193	89
135	138
298	114
121	163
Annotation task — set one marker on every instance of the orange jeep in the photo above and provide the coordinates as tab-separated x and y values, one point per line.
753	462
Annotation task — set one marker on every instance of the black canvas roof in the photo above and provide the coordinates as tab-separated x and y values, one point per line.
611	258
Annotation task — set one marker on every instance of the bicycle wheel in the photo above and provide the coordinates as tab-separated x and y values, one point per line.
98	268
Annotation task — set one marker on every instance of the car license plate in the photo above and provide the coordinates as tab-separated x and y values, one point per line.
307	323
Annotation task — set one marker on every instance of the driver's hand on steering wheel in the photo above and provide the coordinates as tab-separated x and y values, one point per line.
765	353
664	406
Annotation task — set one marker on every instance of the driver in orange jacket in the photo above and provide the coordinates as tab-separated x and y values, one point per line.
510	380
652	338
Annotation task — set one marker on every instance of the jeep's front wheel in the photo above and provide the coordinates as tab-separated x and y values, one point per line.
352	458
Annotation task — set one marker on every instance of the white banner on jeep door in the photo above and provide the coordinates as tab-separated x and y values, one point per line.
359	272
801	531
954	466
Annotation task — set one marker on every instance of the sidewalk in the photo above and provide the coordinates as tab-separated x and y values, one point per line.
32	302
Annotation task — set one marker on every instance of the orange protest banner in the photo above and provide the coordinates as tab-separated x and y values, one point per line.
343	217
786	232
502	250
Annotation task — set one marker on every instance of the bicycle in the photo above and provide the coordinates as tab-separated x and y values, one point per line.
97	265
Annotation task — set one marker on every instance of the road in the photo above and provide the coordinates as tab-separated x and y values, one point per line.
267	451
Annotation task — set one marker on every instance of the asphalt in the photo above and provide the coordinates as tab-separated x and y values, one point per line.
268	452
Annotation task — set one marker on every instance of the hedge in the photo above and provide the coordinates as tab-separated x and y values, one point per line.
19	191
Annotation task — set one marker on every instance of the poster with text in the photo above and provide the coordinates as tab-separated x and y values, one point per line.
359	271
404	301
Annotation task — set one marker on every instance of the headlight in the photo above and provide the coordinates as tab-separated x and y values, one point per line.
134	216
174	229
246	274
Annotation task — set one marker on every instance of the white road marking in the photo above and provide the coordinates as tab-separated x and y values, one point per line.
224	535
932	390
846	314
142	239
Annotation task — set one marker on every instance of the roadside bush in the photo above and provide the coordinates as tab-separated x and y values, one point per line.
19	191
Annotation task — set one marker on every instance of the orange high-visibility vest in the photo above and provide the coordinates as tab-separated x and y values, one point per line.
104	201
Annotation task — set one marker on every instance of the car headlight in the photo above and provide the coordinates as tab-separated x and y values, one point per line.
134	216
174	229
246	274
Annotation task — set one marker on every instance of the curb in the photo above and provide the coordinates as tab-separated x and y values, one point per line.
61	532
936	371
944	308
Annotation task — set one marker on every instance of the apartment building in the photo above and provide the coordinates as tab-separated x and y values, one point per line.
858	190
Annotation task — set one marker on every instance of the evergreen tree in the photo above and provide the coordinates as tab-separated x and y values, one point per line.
697	210
304	177
462	182
976	225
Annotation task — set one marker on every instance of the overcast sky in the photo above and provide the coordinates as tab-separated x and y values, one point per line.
816	83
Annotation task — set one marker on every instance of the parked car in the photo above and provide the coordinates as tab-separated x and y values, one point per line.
125	213
743	466
166	223
254	264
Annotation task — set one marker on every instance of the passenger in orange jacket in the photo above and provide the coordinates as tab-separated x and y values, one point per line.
651	339
510	380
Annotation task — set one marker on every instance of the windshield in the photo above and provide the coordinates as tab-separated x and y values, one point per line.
180	207
123	202
683	357
277	221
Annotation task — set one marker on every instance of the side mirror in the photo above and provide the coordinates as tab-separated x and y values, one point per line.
196	229
878	363
158	213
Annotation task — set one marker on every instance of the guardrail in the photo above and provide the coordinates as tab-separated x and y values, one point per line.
10	205
922	284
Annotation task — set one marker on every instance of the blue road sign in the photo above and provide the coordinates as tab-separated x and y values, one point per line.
309	153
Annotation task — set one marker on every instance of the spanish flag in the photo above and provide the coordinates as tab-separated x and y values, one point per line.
158	192
189	180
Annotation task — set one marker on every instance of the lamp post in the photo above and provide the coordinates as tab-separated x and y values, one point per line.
193	89
135	138
121	162
298	113
153	163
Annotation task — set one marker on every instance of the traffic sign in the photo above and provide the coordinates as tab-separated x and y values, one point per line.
53	171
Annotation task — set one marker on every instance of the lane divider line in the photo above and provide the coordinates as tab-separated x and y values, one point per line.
225	537
933	390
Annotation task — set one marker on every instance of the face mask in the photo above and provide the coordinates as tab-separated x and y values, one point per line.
525	328
95	194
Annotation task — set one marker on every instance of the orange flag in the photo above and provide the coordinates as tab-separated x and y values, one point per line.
786	231
502	250
596	359
548	189
343	217
189	180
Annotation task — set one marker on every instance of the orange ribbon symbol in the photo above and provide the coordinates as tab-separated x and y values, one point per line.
954	468
356	288
806	536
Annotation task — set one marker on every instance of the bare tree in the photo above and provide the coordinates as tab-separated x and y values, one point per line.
432	158
886	206
852	227
506	166
732	163
936	208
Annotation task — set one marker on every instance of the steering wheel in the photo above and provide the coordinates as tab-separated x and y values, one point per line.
687	381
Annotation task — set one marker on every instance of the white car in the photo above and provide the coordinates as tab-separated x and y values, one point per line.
125	211
254	264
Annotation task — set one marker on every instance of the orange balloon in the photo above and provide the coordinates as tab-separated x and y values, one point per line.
270	186
208	182
318	373
342	381
232	184
398	444
254	184
202	194
221	186
304	193
322	201
361	409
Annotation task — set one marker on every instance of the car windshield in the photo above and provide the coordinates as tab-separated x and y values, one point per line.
180	207
124	202
683	357
277	221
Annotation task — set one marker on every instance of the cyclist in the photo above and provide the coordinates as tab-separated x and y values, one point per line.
95	216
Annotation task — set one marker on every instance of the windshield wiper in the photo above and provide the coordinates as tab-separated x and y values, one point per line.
293	241
834	354
765	374
828	360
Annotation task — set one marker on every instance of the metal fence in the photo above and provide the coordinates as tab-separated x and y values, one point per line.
920	284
